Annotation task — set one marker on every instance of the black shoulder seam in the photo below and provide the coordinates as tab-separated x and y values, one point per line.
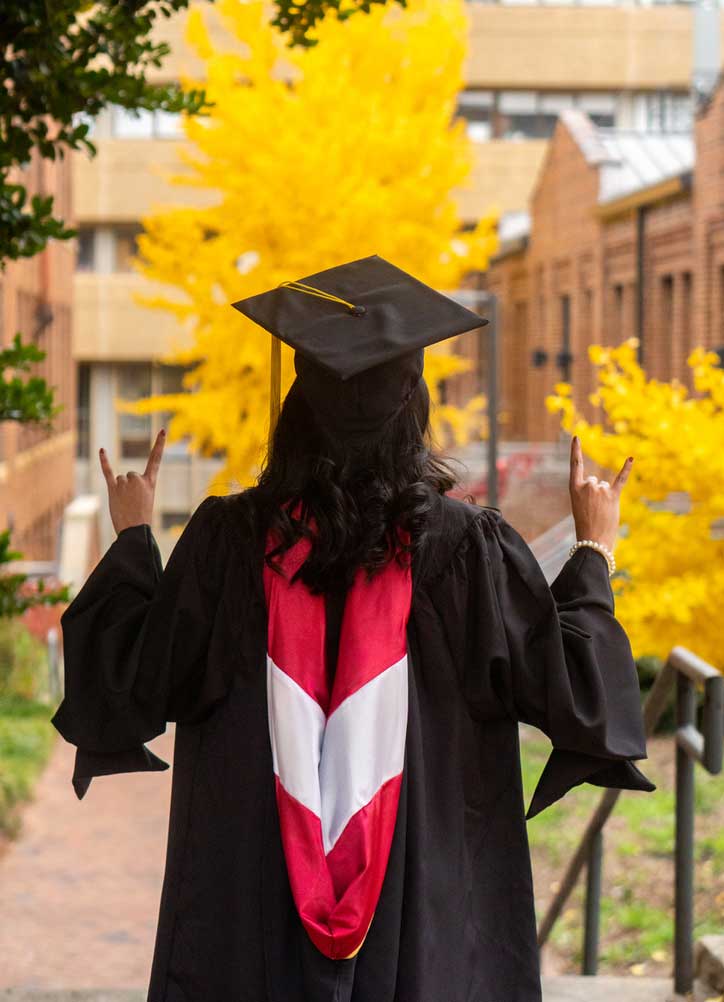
463	539
212	509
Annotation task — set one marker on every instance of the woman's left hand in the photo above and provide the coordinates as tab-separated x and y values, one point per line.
594	502
130	495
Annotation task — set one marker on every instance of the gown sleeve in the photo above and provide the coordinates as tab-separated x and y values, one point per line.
135	642
560	660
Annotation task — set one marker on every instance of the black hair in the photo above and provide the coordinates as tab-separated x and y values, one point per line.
360	492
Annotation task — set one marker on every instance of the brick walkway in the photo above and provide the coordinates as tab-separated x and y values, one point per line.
568	989
80	888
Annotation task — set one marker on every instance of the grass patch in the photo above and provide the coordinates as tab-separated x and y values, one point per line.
26	734
26	739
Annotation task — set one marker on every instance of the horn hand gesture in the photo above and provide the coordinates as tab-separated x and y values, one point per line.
130	495
594	502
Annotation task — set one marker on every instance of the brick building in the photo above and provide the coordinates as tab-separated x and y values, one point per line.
624	237
36	466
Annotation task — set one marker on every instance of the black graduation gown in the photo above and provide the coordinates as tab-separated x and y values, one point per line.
491	644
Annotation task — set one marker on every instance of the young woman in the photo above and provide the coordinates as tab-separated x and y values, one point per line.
347	652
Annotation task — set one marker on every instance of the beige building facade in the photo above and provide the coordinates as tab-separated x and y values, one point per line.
626	66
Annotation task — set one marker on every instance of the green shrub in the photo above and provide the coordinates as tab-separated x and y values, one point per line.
26	734
23	662
26	740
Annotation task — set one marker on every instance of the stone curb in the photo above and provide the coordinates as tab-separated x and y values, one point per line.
709	961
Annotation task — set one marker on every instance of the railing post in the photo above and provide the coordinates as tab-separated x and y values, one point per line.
685	671
684	850
593	905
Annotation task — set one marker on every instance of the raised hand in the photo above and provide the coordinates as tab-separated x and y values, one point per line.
594	502
130	495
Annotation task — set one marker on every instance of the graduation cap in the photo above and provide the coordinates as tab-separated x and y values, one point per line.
359	331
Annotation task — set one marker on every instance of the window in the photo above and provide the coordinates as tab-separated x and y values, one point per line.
83	408
476	106
144	124
171	519
529	114
167	125
554	103
168	379
666	321
686	327
600	108
136	432
126	245
127	124
667	111
82	118
509	114
619	317
86	249
133	381
565	356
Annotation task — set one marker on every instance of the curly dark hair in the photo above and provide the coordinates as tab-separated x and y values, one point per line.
360	492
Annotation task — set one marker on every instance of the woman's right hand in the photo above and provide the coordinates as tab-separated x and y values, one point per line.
594	502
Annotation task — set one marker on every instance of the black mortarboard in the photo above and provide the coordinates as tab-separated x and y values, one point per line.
359	331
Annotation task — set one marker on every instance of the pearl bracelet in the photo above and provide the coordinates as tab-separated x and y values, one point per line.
594	545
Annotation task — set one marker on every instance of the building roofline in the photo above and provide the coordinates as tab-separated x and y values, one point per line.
670	187
516	245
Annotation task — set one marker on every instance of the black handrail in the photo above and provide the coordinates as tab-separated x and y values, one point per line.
683	671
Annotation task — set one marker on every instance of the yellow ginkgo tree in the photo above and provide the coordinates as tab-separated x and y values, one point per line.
314	157
670	589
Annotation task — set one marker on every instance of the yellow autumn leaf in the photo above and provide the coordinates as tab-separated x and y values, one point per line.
671	587
306	174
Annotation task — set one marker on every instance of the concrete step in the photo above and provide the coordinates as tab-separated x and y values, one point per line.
602	988
564	988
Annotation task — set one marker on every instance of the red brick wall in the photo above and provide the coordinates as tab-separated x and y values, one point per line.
572	252
36	465
707	211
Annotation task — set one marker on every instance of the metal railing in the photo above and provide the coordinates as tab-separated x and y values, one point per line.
683	672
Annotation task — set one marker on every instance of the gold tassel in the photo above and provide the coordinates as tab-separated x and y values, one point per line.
275	392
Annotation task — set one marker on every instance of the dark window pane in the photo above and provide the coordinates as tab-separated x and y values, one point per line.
534	125
170	519
86	249
134	430
126	240
168	379
83	410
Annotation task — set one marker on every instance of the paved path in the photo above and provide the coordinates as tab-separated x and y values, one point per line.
563	989
80	888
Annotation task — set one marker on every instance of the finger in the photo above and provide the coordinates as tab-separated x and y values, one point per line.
603	483
590	479
106	468
623	474
154	460
576	476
